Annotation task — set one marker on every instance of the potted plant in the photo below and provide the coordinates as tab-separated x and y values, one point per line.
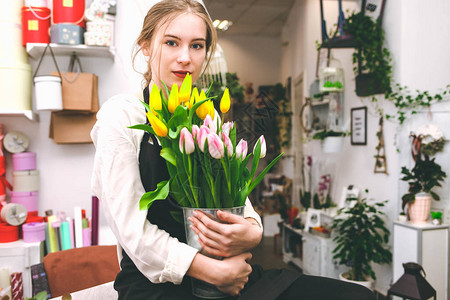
372	60
331	140
361	239
436	217
425	175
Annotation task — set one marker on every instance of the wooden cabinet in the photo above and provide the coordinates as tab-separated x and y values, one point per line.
427	245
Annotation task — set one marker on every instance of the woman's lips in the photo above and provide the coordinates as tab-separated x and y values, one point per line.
180	74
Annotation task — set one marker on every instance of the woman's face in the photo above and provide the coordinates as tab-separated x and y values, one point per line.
179	47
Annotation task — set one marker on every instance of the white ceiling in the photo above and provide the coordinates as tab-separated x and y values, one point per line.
251	17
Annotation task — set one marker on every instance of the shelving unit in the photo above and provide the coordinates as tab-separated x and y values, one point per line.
292	245
35	50
29	114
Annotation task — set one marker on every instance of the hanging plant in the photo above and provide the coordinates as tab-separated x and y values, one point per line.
372	61
408	104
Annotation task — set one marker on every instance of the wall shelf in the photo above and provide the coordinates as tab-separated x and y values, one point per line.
29	114
35	50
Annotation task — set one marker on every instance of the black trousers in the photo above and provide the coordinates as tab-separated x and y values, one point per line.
279	284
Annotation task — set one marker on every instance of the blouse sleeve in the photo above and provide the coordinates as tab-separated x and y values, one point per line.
116	182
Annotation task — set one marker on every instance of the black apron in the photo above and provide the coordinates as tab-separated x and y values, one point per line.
132	284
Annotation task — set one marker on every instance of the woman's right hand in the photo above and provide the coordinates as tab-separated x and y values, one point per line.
235	271
229	275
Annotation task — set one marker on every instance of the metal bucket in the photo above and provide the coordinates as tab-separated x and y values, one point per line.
200	288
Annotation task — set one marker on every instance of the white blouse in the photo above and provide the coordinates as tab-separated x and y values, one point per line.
116	182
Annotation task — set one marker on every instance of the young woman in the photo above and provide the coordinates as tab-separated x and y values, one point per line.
177	38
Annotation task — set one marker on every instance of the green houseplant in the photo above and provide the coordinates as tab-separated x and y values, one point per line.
361	238
372	59
425	175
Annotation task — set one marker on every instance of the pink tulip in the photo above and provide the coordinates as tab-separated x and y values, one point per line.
215	146
228	144
226	128
201	137
262	141
195	130
187	145
210	123
241	150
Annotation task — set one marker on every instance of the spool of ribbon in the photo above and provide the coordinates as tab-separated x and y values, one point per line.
17	286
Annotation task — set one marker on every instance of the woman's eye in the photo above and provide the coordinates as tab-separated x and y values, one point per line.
197	46
171	43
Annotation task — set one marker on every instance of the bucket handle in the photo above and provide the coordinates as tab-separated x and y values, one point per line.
73	59
39	17
42	57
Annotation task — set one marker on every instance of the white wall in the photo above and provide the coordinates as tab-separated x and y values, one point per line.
244	56
418	37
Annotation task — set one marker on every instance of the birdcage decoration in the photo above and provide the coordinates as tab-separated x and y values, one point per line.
331	76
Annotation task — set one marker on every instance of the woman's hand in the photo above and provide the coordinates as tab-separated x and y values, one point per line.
237	236
229	275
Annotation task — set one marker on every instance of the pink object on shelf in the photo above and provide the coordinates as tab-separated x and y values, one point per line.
86	237
24	161
33	232
27	199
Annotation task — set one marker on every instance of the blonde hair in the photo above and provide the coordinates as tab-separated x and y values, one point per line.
154	19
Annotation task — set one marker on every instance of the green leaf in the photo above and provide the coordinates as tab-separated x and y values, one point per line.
161	193
144	127
169	155
179	118
263	173
255	161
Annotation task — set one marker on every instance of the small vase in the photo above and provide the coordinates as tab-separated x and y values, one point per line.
200	288
419	210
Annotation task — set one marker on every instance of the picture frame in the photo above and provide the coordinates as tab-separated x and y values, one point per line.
312	219
359	126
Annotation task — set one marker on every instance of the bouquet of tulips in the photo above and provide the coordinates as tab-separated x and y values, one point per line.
206	167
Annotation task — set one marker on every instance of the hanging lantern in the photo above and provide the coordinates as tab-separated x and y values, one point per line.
412	285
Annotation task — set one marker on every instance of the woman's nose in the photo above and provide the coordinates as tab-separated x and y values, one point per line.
184	56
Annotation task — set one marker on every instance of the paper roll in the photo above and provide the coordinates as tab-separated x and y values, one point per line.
5	283
16	286
65	236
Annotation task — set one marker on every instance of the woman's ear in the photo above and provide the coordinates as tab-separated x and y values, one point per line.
145	47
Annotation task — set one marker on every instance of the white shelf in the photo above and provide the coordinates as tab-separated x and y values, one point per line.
31	115
35	50
288	257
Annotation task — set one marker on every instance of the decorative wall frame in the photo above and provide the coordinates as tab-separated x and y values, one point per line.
359	126
312	219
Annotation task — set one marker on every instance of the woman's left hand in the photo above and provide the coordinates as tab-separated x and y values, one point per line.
236	236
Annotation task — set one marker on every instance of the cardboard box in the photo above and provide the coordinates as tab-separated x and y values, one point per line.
79	91
71	127
68	34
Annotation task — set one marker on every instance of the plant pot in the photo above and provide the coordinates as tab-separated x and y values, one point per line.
368	84
200	288
332	144
419	210
368	283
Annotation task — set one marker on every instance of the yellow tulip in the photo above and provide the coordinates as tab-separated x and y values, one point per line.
173	98
158	126
211	110
203	109
225	101
185	89
194	97
155	100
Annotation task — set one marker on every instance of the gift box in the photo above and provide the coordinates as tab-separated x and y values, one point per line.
26	181
24	161
65	33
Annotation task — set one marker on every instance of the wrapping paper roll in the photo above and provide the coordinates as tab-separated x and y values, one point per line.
10	11
15	83
12	50
5	282
26	181
16	286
